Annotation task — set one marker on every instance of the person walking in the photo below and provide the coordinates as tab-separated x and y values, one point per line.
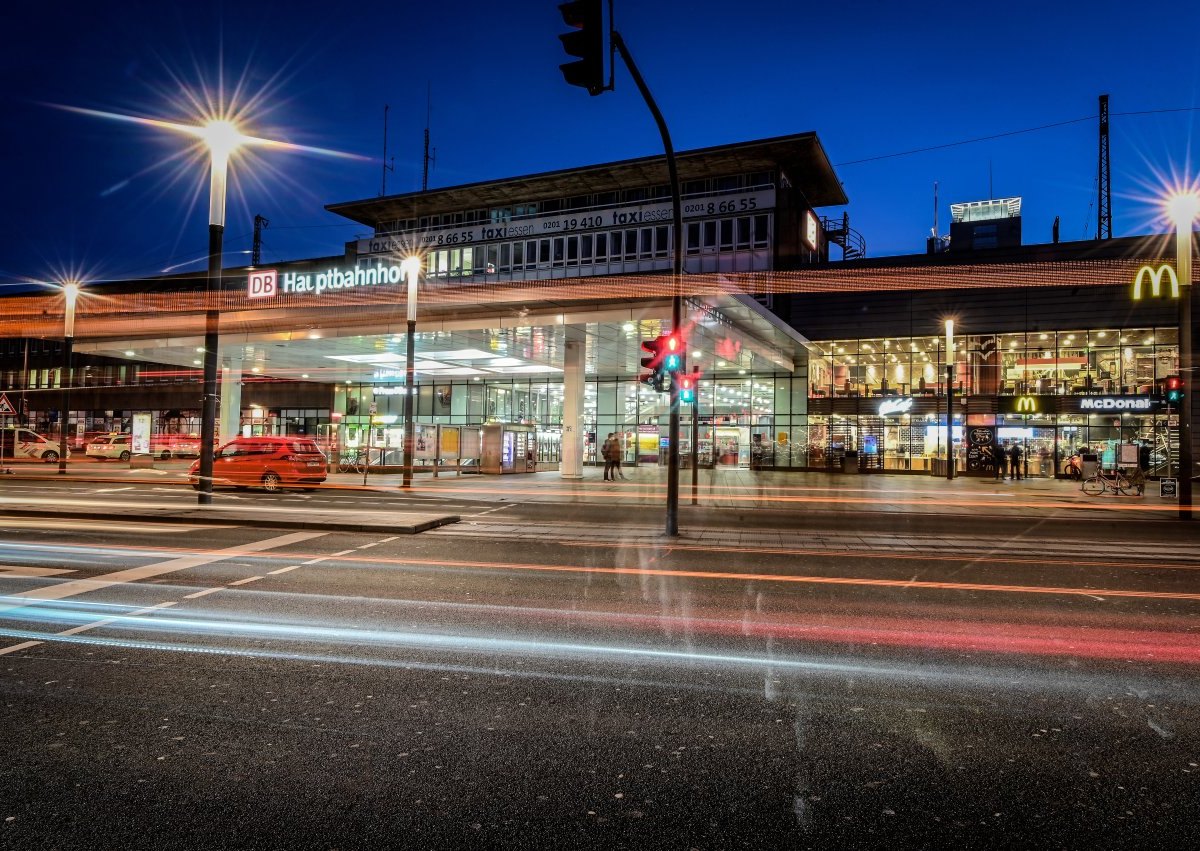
1014	460
617	452
606	452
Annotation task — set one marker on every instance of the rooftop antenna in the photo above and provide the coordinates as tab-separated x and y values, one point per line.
430	156
935	209
260	222
1103	179
387	165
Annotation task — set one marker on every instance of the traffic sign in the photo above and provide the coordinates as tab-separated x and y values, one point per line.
6	408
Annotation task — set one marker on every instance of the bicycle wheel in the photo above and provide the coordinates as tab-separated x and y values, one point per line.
1122	485
1094	486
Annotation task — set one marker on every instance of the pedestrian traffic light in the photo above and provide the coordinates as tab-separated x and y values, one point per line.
1174	388
687	389
587	43
673	354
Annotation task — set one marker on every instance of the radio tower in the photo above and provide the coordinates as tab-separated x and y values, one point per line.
1103	180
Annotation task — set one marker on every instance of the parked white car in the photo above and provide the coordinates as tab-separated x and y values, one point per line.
22	444
117	447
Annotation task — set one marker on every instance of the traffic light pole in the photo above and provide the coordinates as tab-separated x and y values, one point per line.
677	283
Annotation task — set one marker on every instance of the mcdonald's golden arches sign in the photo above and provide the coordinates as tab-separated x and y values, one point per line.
1155	276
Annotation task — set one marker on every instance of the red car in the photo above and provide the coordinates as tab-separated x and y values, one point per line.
271	463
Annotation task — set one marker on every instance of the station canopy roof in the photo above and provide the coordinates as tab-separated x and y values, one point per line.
800	156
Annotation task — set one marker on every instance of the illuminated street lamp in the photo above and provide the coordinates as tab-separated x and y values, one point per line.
70	296
1183	208
949	398
222	138
411	268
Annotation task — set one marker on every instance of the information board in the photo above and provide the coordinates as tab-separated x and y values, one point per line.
141	434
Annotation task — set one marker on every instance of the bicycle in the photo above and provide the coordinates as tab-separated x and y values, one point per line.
1118	483
354	462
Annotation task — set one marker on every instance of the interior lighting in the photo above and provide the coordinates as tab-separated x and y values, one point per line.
130	354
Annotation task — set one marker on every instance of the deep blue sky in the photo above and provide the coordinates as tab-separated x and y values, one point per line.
872	78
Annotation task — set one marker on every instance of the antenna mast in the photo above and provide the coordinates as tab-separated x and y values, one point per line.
1104	175
260	222
386	165
429	157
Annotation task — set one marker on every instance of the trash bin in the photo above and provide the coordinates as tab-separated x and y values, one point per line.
850	462
1089	464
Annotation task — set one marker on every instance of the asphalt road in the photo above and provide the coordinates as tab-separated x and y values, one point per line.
197	687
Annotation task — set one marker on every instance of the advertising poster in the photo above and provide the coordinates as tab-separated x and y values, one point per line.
424	441
141	434
449	442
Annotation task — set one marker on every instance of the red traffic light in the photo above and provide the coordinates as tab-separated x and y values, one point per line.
587	44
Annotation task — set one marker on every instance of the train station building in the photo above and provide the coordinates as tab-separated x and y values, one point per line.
536	292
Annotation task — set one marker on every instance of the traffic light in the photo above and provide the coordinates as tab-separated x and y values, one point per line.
654	362
673	354
687	389
1174	389
587	43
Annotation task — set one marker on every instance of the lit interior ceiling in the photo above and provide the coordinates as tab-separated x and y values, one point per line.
536	349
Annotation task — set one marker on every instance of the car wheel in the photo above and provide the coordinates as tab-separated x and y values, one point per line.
124	455
271	482
50	457
165	456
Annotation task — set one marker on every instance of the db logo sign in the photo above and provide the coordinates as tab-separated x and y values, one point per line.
262	284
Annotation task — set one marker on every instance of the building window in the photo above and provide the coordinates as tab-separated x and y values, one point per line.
616	245
543	252
743	233
505	257
585	248
518	255
647	246
761	231
631	245
726	234
601	247
661	242
558	251
572	250
531	254
710	237
693	238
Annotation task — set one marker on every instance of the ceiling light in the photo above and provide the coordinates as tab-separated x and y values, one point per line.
130	354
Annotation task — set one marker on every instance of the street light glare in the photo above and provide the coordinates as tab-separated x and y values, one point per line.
1183	208
222	137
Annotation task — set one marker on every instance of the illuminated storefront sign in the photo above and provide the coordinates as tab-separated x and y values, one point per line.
655	212
891	407
1025	404
1155	276
1119	403
265	283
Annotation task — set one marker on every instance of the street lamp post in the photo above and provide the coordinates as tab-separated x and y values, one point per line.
70	295
1184	208
949	398
222	138
411	268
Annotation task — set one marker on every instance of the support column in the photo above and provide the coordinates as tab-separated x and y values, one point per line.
573	386
230	425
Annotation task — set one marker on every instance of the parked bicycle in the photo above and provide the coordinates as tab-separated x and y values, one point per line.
1115	482
354	462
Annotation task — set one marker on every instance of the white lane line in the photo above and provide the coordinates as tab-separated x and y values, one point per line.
493	510
112	490
10	570
134	574
203	593
24	645
246	581
284	570
342	553
317	560
389	540
368	546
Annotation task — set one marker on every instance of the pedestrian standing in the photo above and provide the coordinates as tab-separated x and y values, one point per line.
1014	460
998	456
606	452
617	452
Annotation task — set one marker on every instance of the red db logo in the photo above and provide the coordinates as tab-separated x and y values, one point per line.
262	284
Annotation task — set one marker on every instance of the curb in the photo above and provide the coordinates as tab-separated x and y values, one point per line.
264	523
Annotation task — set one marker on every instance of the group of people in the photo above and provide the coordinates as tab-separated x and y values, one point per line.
1008	457
611	452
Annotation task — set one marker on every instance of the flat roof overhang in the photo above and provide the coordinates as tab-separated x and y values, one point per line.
800	155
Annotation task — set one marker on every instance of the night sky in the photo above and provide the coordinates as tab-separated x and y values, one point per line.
98	198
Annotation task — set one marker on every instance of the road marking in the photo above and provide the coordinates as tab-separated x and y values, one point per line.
368	546
8	570
284	570
342	553
112	490
203	593
82	586
24	645
389	540
492	510
245	581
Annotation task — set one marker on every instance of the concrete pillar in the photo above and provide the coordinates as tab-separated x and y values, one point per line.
573	384
230	424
